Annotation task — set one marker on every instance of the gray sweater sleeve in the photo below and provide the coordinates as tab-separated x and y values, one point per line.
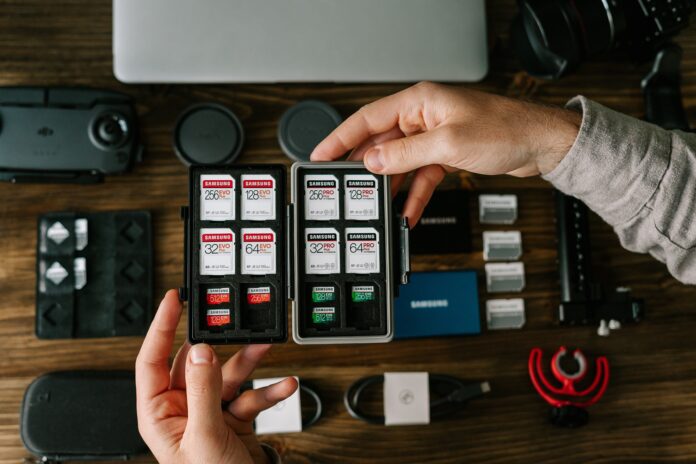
640	179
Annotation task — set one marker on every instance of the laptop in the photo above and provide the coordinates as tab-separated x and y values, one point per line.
235	41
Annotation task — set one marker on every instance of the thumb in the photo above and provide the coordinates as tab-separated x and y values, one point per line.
203	391
407	154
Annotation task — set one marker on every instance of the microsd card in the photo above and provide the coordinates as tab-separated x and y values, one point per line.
218	317
324	315
258	251
217	251
502	246
217	197
258	197
362	197
217	295
362	250
323	294
497	209
258	295
504	277
321	197
322	251
360	293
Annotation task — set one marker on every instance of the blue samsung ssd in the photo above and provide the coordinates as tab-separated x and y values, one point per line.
438	303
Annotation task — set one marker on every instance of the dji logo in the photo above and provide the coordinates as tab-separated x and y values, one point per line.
406	396
45	131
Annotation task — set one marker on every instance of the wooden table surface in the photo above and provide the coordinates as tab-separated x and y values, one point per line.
648	413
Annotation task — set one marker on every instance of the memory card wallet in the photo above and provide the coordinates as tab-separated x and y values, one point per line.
336	250
93	274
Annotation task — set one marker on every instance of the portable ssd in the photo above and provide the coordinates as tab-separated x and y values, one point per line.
335	251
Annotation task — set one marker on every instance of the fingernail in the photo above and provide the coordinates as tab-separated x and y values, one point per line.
201	354
373	159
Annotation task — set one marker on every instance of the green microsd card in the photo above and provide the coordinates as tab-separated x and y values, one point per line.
363	293
323	294
323	315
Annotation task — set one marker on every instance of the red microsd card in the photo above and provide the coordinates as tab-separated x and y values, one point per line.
218	317
258	295
216	296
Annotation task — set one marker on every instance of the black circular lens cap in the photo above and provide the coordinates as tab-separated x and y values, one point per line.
304	125
208	133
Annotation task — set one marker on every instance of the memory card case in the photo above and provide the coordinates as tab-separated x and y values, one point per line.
230	302
93	274
81	415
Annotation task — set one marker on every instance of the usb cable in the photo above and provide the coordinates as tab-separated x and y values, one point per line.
451	394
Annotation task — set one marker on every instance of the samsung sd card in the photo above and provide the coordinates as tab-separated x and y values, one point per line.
217	197
258	295
258	197
322	254
321	197
258	251
502	246
362	250
217	251
362	197
218	317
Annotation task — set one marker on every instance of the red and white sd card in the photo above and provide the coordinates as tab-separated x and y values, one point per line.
218	295
218	317
258	251
258	295
258	197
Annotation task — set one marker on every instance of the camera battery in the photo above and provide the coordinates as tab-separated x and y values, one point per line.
322	251
258	197
324	315
362	250
323	294
258	251
217	296
504	277
219	317
502	246
321	197
217	251
497	209
217	197
362	197
361	293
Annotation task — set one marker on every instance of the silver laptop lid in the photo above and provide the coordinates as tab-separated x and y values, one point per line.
299	40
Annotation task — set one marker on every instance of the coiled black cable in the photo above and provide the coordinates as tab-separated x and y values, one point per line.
448	403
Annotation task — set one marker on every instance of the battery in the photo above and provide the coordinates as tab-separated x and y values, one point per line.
258	251
218	317
360	293
217	251
322	251
321	197
324	315
217	295
217	197
362	197
323	294
362	250
258	295
258	197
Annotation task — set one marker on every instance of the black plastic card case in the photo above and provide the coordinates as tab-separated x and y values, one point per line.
93	274
336	250
81	415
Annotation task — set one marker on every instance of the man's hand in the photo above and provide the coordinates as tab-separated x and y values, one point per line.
180	416
431	129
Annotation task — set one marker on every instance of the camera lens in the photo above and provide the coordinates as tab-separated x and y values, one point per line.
110	130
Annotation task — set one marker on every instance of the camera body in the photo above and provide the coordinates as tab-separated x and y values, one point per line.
552	37
65	134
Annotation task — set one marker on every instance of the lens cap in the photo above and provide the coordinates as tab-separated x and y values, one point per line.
304	125
208	133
